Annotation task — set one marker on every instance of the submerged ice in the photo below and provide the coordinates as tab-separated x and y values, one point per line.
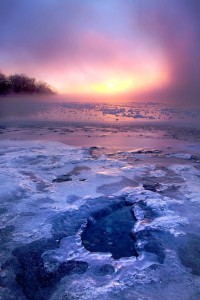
110	231
123	225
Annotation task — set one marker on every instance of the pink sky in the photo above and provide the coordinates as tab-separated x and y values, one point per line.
118	48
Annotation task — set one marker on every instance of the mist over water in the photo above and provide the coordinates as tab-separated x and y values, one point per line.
23	109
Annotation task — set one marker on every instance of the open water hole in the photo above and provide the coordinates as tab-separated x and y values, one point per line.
111	233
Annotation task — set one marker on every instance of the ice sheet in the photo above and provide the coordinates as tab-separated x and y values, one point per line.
45	216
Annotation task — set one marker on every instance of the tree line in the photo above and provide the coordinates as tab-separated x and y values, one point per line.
22	84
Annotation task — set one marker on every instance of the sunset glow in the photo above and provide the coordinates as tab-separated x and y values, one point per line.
119	84
116	47
143	75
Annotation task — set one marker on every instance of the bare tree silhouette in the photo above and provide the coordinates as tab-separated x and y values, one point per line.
22	84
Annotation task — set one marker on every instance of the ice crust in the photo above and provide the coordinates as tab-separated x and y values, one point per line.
57	110
35	207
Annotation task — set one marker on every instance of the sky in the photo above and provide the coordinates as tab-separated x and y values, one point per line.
132	49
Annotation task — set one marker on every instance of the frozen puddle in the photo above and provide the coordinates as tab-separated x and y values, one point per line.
78	226
110	231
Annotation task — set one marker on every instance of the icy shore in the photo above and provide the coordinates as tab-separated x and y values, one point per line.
51	192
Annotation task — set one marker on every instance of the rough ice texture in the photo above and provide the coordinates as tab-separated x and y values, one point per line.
43	215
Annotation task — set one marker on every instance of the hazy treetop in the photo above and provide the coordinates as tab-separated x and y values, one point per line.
22	84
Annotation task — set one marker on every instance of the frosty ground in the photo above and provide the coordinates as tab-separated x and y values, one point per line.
99	212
